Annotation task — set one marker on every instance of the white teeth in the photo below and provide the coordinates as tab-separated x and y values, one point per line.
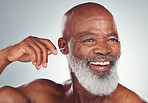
100	63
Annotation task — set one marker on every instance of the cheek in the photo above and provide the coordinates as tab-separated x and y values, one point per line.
81	52
116	51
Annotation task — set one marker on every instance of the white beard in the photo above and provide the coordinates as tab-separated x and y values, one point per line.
95	84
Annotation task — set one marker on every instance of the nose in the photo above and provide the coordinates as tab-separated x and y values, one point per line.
102	49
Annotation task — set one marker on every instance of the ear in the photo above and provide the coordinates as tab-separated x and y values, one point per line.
63	46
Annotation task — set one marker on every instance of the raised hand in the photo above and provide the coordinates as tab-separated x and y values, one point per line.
32	49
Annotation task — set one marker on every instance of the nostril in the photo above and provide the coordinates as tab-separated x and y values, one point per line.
99	53
108	53
102	53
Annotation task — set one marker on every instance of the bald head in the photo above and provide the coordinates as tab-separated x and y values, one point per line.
88	9
78	15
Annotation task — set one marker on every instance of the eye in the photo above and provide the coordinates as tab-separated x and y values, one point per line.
88	40
114	40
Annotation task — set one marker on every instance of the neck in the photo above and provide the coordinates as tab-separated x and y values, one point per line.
81	95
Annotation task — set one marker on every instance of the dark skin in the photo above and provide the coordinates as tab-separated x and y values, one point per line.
89	30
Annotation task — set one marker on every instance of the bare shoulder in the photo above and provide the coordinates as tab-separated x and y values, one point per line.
42	91
128	96
10	95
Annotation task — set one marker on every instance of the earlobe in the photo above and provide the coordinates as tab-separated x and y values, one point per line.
63	46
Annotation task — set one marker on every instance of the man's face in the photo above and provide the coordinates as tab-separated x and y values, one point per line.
95	36
94	50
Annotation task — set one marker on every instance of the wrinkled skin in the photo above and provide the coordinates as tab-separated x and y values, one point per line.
89	30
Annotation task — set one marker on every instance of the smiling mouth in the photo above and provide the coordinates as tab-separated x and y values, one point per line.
101	65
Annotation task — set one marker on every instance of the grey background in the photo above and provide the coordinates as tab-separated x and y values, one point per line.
42	18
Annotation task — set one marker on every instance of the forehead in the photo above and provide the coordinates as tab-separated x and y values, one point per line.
97	25
88	18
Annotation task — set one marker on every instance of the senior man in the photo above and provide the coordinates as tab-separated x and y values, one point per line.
91	44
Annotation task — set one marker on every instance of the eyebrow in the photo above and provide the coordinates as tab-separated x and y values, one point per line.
113	34
85	34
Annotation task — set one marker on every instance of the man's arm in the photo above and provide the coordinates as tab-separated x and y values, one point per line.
11	95
3	61
31	49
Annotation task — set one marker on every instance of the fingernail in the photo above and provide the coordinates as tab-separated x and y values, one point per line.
39	67
45	65
49	52
34	63
55	51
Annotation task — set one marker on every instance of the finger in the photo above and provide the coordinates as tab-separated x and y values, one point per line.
45	53
38	52
50	46
28	49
